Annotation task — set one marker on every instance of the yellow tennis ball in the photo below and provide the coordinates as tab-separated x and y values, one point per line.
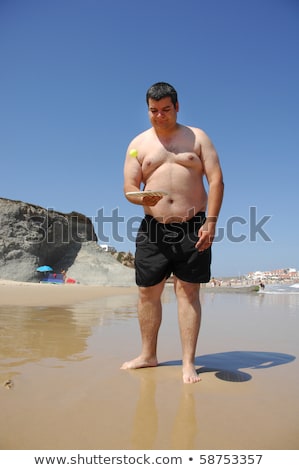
133	153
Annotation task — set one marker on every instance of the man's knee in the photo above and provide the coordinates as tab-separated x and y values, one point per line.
151	292
187	290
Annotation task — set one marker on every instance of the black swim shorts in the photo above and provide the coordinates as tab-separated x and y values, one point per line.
163	249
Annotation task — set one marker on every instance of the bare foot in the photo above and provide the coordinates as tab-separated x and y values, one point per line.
139	362
190	375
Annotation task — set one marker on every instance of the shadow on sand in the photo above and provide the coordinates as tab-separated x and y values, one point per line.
227	365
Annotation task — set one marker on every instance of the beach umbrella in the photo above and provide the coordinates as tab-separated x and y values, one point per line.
44	269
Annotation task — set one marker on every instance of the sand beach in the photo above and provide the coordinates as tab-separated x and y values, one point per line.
61	386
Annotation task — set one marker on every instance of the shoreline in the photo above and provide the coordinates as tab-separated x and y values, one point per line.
32	294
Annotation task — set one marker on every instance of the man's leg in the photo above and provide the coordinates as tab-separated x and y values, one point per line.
150	316
189	312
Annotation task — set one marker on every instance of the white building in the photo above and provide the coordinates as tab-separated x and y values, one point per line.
107	248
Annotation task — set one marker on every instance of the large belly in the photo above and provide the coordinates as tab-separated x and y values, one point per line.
186	194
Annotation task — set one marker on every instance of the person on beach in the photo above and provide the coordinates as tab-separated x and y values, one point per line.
177	231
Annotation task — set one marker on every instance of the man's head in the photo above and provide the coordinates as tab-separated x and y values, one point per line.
162	90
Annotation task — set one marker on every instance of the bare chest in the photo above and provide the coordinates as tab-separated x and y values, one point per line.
169	160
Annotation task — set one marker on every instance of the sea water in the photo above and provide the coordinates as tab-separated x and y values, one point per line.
281	289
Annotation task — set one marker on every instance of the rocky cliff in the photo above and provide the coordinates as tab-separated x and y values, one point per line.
31	236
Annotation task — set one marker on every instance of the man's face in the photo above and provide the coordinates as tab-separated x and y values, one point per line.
162	113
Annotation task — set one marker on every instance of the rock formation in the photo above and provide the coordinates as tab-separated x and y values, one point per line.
31	236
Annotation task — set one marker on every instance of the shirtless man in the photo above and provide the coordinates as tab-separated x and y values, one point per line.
178	229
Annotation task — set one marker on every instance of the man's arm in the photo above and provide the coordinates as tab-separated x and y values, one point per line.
133	180
132	175
214	177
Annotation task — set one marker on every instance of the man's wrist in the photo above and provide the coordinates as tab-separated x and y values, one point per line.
211	219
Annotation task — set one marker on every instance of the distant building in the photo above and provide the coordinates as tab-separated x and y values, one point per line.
108	248
275	275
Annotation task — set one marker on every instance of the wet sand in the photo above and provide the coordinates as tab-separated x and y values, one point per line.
61	386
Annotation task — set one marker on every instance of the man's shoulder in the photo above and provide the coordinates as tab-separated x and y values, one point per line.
197	130
142	137
142	133
201	137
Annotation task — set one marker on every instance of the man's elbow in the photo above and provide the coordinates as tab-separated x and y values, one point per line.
217	183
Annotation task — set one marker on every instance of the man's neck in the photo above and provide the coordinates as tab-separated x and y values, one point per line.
165	134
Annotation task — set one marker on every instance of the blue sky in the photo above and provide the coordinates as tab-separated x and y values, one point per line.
72	95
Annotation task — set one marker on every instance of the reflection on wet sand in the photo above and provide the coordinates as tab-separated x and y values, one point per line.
31	334
61	367
181	421
185	428
145	424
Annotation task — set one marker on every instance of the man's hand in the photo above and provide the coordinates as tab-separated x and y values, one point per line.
206	235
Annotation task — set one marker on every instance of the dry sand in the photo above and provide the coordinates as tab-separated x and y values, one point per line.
61	386
35	294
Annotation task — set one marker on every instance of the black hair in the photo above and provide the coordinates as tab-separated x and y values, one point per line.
161	90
